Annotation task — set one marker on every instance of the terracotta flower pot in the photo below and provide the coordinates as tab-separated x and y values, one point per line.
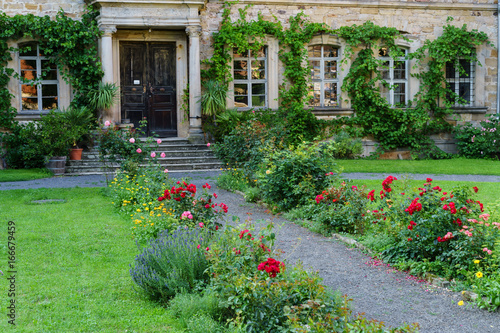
75	154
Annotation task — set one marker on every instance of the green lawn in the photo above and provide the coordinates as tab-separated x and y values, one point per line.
72	263
457	166
14	175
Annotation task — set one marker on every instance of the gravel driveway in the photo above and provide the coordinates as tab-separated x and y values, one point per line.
377	290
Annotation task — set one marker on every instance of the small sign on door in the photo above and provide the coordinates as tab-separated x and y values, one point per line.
137	81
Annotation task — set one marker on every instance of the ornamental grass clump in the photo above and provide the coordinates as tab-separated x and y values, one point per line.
172	263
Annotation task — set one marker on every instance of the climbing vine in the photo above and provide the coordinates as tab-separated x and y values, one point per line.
244	35
68	43
455	43
391	126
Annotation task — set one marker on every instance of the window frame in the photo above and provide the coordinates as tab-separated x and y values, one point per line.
322	59
391	81
40	82
457	80
249	81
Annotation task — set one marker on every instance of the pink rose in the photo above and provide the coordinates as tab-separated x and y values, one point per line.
139	150
153	154
198	246
162	155
107	123
201	224
132	140
208	144
166	170
158	141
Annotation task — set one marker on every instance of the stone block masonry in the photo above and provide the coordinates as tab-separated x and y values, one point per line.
73	8
419	20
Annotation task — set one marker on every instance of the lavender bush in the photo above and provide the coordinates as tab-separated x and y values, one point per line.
171	263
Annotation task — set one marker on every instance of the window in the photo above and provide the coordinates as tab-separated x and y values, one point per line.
395	73
323	60
250	78
39	85
460	78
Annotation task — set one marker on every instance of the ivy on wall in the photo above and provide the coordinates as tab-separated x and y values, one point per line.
70	44
392	127
455	43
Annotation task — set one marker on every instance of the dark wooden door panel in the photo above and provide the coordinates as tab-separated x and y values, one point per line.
163	109
133	81
147	77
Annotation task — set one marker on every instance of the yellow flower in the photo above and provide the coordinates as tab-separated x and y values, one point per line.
476	261
479	275
138	210
268	172
460	303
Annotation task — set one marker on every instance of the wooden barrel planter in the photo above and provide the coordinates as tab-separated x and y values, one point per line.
57	165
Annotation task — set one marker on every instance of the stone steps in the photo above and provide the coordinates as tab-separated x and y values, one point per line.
180	156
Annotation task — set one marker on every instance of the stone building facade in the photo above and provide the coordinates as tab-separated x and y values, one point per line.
141	38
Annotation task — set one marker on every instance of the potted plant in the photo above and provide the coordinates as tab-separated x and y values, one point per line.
80	121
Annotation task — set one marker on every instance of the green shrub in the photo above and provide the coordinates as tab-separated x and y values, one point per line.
172	263
245	146
479	142
201	313
344	146
340	208
252	194
435	226
291	177
255	288
191	209
23	147
226	121
125	147
232	179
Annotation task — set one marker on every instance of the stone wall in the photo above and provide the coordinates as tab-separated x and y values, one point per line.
73	8
419	19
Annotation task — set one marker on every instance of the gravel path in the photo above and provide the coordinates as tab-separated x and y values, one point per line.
377	290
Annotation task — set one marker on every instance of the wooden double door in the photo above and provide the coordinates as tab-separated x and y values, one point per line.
148	86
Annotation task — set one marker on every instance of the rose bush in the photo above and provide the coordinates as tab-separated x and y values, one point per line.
339	208
436	225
